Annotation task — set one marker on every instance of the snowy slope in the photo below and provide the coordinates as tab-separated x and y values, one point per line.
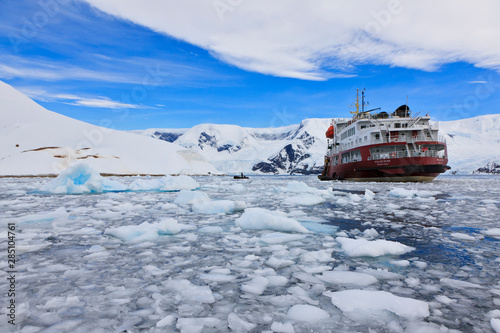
472	144
35	141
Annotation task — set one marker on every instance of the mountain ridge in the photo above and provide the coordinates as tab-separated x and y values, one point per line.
473	145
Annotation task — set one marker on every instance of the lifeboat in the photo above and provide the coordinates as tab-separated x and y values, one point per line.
330	132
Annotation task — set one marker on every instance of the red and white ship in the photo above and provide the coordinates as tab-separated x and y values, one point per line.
378	146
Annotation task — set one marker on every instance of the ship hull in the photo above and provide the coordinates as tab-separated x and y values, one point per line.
409	169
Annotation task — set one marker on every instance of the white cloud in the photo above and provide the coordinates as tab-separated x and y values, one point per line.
41	94
318	39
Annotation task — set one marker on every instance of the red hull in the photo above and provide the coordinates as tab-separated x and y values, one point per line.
394	169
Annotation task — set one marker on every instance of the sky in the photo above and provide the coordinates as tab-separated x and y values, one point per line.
130	64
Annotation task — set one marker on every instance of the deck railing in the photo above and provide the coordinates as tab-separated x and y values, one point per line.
404	139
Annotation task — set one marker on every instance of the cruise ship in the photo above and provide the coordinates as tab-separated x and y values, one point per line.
389	147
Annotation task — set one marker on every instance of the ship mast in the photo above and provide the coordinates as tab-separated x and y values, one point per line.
357	102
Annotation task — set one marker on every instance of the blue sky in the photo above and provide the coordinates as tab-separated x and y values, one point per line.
127	67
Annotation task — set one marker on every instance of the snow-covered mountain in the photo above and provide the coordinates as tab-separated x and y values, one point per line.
473	145
234	149
35	141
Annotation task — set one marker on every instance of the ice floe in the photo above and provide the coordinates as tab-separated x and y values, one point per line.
371	305
264	219
362	247
144	231
81	179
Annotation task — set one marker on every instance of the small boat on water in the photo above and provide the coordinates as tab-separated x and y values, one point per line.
379	146
242	176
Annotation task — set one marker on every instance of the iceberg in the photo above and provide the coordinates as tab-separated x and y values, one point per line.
81	179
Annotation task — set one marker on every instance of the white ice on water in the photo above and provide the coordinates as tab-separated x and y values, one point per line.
277	254
82	179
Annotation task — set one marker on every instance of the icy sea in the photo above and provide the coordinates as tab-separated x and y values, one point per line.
267	254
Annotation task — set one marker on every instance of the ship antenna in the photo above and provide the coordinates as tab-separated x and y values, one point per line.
406	111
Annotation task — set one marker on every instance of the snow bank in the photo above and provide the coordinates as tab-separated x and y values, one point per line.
219	206
263	219
144	231
304	312
362	247
358	304
81	179
403	193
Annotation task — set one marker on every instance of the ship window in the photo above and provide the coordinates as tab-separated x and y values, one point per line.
397	125
366	138
377	136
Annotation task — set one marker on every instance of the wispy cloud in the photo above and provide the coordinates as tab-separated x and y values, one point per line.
319	39
40	94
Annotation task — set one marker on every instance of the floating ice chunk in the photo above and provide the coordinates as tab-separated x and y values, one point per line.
277	280
166	321
96	248
237	188
371	233
304	200
369	304
256	286
495	324
168	227
317	256
186	197
168	206
154	184
211	230
189	292
144	231
495	233
58	216
400	263
279	237
196	325
219	206
347	278
462	236
369	195
461	284
445	300
238	325
305	312
403	193
167	184
217	277
297	187
278	327
381	274
81	179
178	183
263	219
362	247
279	263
